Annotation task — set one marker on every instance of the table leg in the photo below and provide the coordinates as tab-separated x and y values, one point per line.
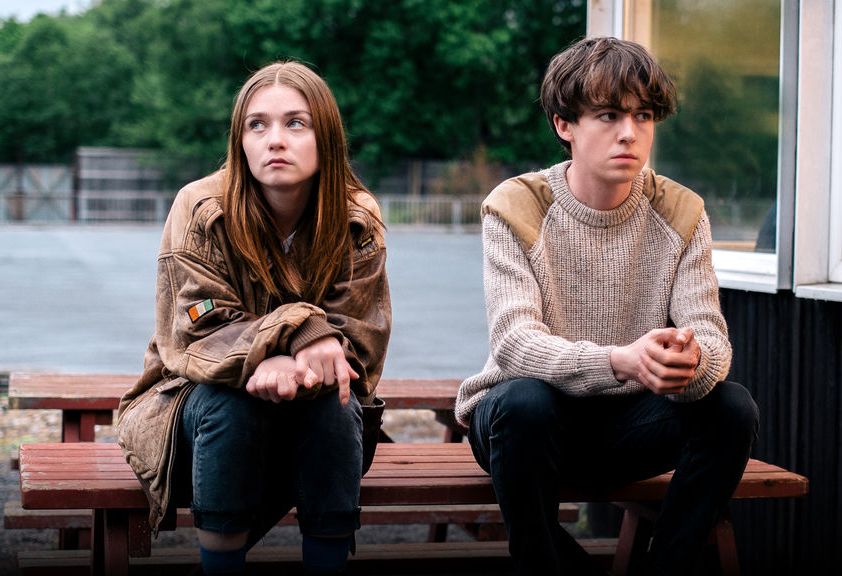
453	432
110	543
79	425
726	545
140	534
71	422
633	542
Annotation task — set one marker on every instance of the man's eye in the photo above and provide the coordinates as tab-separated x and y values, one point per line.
644	116
607	116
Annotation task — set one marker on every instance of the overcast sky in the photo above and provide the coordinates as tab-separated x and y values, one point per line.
24	10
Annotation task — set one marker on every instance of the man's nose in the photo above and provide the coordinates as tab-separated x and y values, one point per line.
626	128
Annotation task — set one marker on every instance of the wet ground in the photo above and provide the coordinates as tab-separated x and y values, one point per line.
81	299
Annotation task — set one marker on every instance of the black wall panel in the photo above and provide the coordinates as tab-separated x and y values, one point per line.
788	352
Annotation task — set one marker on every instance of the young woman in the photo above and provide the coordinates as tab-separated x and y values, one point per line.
273	316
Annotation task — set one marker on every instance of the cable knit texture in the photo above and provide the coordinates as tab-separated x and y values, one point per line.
583	281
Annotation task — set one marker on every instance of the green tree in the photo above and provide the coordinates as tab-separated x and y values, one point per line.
413	78
65	83
184	86
424	78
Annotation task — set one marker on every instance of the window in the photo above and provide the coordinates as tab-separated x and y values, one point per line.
733	140
735	40
835	256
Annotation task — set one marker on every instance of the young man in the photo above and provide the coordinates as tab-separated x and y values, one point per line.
608	346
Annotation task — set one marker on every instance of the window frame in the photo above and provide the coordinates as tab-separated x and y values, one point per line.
818	214
835	225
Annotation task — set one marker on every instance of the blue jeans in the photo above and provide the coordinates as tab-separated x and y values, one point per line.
531	438
243	462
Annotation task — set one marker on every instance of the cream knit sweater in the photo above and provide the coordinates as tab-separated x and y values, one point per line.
562	291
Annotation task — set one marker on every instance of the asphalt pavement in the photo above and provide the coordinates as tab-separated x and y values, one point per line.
79	298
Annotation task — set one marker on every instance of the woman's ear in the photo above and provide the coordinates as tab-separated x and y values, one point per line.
563	128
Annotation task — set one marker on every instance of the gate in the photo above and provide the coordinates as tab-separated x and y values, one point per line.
36	193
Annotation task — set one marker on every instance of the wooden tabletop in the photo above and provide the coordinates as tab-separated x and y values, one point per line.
57	391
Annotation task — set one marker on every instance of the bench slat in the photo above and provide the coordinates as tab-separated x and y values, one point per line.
15	517
488	557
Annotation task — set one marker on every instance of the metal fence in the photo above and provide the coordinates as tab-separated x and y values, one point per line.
454	212
119	185
457	214
128	185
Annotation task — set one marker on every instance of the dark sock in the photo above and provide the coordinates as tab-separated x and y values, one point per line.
219	563
325	555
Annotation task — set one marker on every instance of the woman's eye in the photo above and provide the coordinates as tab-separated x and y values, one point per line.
256	125
297	123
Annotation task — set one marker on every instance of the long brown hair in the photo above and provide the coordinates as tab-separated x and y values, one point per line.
248	219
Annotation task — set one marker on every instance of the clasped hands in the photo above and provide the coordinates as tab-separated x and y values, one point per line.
664	360
322	362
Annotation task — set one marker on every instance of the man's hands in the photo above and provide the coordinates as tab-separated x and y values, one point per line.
663	360
322	362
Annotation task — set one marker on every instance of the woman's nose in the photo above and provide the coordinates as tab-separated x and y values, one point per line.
276	136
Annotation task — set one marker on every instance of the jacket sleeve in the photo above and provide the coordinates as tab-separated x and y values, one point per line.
204	331
357	310
695	303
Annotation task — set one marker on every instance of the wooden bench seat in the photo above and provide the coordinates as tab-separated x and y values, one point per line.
95	476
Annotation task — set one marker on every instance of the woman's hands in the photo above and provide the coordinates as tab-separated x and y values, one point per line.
274	379
277	378
663	360
323	362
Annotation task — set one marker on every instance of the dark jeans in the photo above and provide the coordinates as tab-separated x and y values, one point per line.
531	438
243	462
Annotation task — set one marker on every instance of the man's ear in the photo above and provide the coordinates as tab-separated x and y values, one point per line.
562	128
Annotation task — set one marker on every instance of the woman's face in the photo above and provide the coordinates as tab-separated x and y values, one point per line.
280	143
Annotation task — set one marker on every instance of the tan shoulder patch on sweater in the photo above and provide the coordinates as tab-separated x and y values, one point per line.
522	203
679	206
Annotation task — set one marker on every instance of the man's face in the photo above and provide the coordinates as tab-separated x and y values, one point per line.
609	145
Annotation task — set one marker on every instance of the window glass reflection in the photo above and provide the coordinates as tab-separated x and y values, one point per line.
723	143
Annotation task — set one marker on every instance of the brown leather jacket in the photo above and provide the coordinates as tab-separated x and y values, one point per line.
215	323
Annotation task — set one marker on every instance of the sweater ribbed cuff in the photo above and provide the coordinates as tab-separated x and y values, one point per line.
312	329
594	363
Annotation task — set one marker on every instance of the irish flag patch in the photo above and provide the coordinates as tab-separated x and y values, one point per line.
200	309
